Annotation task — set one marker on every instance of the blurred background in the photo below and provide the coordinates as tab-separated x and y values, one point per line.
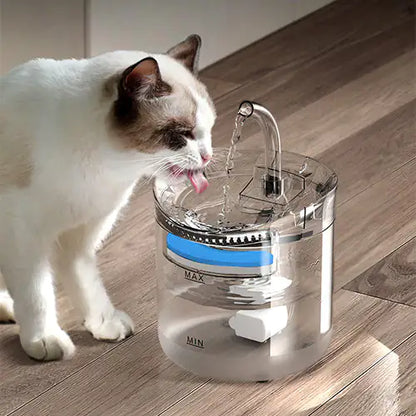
82	28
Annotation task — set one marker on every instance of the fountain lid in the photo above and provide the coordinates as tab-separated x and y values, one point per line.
310	191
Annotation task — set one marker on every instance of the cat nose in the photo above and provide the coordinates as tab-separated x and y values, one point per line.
206	157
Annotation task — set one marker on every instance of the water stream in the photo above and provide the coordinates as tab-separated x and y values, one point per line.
229	165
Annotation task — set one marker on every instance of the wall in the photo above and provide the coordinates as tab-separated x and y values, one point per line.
77	28
224	25
34	28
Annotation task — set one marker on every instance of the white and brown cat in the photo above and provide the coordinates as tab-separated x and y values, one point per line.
75	137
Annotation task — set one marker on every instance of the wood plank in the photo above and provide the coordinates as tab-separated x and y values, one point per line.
374	223
216	87
335	26
392	278
349	109
372	153
136	379
131	382
285	93
387	389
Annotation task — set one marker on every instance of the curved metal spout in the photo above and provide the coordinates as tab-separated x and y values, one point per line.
273	148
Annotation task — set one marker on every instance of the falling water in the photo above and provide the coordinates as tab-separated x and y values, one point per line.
229	165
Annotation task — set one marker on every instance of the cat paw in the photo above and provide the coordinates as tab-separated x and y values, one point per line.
54	346
113	328
6	308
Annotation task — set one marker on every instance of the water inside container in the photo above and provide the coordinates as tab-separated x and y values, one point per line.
224	208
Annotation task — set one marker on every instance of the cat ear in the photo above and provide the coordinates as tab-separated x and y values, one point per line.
187	52
143	80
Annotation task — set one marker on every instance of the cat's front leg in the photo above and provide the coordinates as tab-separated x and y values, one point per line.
26	271
75	265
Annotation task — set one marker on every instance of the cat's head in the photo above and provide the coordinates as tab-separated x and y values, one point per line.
163	112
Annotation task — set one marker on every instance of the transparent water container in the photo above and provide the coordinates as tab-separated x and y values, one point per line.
245	280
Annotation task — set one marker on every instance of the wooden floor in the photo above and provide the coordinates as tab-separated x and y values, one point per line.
342	83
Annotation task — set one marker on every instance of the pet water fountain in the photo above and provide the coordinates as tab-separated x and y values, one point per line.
245	269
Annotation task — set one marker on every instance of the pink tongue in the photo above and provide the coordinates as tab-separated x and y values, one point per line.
198	181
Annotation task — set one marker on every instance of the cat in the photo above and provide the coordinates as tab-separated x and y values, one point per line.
75	138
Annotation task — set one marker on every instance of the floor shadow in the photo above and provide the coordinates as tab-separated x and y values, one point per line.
8	322
82	338
13	351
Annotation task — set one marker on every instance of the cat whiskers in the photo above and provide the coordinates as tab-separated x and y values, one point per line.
164	165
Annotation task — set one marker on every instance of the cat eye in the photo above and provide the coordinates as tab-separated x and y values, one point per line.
189	135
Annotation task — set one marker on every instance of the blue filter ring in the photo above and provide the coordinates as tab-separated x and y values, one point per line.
201	257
